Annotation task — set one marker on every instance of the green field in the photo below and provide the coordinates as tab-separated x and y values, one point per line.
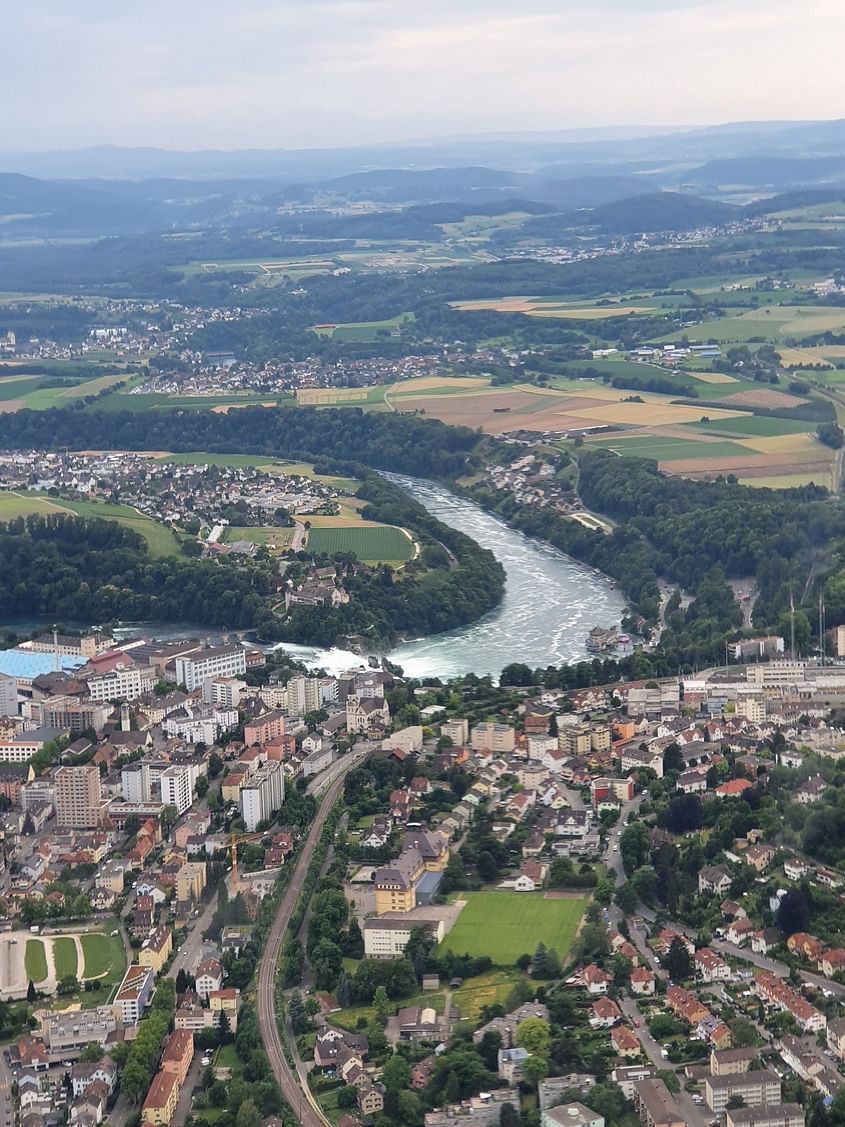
755	426
672	449
365	330
64	957
122	401
105	957
505	925
370	544
160	539
229	461
35	961
485	990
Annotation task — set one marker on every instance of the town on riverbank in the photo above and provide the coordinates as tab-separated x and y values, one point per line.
586	903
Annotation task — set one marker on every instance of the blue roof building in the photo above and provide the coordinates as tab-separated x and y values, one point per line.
25	665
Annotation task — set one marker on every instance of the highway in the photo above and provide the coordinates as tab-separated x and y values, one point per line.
307	1110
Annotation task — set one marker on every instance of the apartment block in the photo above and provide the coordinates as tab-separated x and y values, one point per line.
79	799
134	993
757	1089
387	938
655	1106
177	787
203	665
73	714
124	682
262	795
499	739
778	1115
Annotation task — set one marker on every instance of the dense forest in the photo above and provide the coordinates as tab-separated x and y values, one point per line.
693	534
98	571
400	442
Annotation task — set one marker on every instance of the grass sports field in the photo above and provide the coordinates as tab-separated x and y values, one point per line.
371	543
105	957
64	956
505	925
35	961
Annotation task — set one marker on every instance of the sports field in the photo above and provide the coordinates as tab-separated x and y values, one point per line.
35	961
105	956
276	539
371	543
505	925
64	956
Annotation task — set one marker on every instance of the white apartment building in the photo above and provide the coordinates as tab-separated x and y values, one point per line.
757	1089
456	730
201	665
387	938
125	682
224	692
177	788
307	694
135	993
136	782
263	795
200	723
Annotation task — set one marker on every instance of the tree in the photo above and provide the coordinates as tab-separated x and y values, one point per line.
508	1116
381	1005
678	961
396	1073
248	1115
453	1088
535	1069
534	1035
31	992
627	898
793	913
168	817
634	847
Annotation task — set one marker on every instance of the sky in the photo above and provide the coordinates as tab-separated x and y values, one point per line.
192	74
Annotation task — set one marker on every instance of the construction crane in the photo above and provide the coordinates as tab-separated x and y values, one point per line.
236	839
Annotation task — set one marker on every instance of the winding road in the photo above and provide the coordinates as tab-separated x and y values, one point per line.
298	1096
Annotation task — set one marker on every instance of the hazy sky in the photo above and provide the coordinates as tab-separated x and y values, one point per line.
310	73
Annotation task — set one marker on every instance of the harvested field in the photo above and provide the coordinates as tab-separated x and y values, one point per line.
712	377
327	396
225	408
548	307
784	444
763	398
803	357
645	414
787	481
745	465
431	383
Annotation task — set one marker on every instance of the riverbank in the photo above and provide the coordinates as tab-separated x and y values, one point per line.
550	602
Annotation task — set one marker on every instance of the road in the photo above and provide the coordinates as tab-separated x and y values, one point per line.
694	1115
307	1110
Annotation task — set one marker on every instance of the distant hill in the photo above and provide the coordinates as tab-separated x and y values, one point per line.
767	171
661	211
27	204
787	201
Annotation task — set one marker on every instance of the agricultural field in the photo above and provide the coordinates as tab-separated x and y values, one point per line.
552	307
364	330
755	459
774	324
371	543
160	539
505	925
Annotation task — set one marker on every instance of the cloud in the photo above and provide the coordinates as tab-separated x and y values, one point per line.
302	73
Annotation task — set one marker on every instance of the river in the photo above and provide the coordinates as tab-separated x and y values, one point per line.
550	603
